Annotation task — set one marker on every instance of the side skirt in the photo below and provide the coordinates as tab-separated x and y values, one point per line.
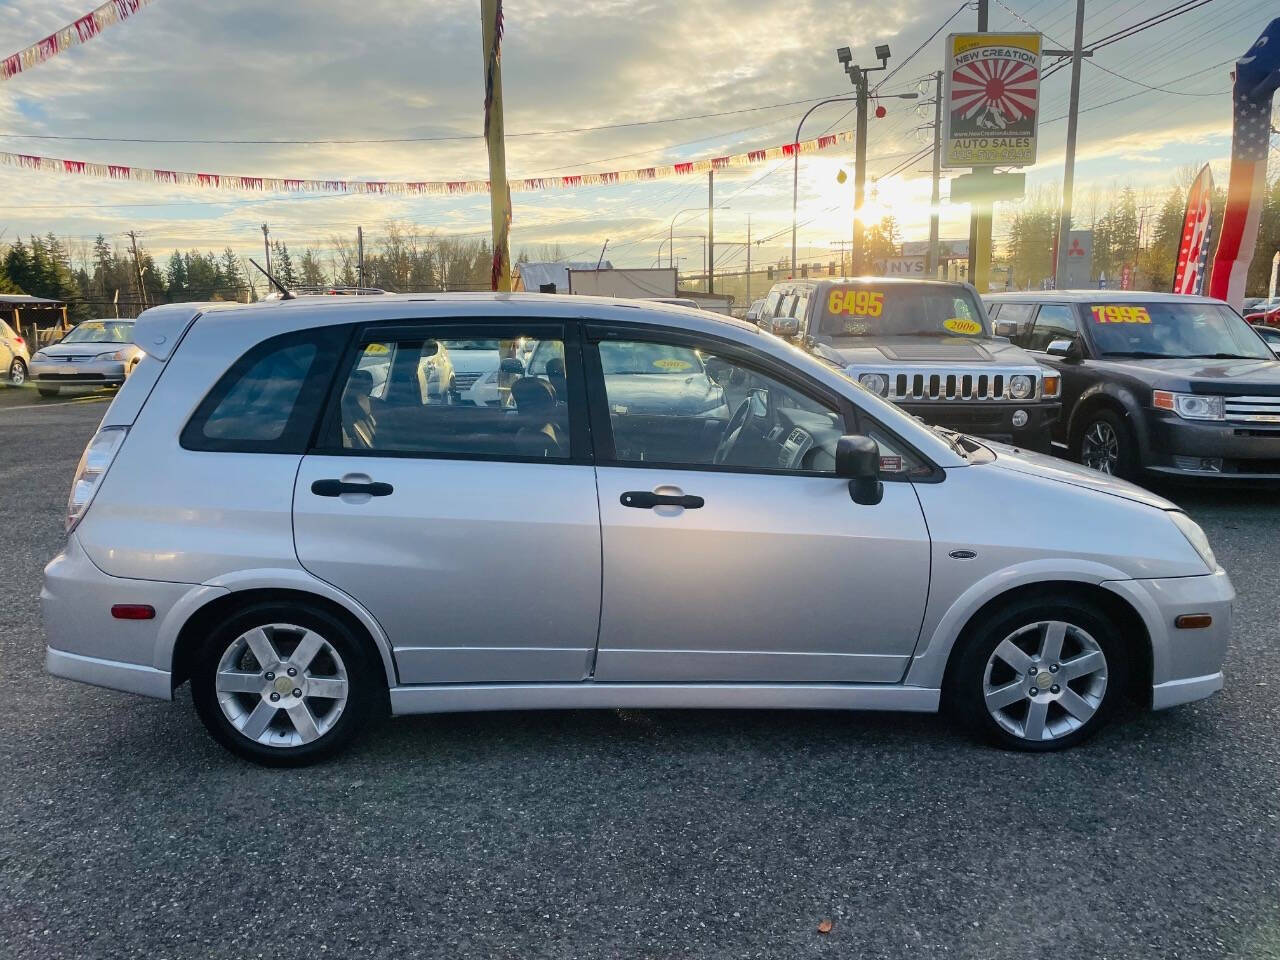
454	698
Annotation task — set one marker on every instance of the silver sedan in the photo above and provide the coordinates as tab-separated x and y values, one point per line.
96	353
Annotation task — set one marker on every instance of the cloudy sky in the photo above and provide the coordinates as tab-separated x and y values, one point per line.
334	70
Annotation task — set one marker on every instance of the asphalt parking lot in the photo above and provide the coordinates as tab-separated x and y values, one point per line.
126	832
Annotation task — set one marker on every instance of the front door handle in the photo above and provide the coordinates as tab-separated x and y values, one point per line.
336	488
644	500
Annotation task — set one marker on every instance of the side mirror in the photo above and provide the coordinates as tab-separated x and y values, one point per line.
1066	349
785	326
511	365
858	461
1006	328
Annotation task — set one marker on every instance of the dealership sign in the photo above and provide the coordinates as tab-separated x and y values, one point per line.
991	96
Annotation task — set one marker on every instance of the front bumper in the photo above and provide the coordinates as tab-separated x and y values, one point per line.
1186	664
84	373
1242	451
992	420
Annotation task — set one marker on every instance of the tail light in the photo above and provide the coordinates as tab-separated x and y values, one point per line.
19	341
93	466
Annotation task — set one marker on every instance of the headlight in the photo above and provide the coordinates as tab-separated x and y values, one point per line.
113	355
877	383
1020	387
1190	406
1050	385
1195	536
39	355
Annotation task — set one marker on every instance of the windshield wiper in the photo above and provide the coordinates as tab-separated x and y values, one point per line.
1137	355
1220	356
953	438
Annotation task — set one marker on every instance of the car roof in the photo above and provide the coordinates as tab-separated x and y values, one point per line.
1087	296
879	281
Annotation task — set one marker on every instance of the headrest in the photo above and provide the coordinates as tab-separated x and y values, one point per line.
532	393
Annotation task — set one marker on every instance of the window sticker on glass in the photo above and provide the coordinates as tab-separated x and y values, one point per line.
373	349
891	464
962	326
1116	313
671	363
859	303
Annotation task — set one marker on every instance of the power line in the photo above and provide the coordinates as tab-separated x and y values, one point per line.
434	139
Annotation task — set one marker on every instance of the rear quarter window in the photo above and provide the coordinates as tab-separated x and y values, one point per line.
270	398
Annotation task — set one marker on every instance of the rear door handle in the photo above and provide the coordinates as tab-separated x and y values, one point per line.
644	500
336	488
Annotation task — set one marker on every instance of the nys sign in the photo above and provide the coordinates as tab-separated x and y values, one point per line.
991	99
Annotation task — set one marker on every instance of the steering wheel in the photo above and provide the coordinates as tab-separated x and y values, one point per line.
732	431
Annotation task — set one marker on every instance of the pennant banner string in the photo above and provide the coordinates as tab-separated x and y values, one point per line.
73	34
111	171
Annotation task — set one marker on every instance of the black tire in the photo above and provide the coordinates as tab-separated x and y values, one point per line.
48	391
1126	464
966	679
366	684
17	372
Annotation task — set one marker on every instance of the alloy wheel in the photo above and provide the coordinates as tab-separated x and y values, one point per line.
281	685
17	373
1100	447
1045	680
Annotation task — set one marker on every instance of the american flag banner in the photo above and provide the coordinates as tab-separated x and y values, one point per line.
1257	76
1193	247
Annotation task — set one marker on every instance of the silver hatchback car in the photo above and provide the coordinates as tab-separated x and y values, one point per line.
656	507
14	357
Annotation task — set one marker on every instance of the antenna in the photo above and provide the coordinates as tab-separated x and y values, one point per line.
284	291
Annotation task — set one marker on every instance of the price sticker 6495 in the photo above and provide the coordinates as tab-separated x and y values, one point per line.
1120	313
860	303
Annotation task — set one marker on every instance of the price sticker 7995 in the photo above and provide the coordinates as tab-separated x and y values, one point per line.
1119	313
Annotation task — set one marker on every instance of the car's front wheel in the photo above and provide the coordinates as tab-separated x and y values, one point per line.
1042	674
1106	444
284	684
17	372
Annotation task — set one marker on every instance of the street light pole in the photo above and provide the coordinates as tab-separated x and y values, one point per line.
935	198
795	171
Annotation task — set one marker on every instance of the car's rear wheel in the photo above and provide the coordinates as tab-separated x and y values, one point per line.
17	372
1105	443
284	684
1043	674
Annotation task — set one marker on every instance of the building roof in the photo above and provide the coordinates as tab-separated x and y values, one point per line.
22	300
534	275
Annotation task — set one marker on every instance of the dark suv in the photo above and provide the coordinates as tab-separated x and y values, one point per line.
926	345
1175	385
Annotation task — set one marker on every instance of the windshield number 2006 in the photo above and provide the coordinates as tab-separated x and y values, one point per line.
860	303
1120	314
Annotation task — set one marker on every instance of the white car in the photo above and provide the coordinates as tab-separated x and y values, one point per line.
682	511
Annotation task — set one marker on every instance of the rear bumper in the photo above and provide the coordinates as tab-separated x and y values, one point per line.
86	643
115	674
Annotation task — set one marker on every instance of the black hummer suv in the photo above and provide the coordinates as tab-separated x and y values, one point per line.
1175	385
926	345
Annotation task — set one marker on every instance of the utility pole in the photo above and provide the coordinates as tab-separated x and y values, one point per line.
711	231
266	248
359	258
1069	165
936	195
859	76
137	264
980	211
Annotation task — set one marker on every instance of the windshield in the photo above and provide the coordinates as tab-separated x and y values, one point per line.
648	358
1172	330
101	331
899	310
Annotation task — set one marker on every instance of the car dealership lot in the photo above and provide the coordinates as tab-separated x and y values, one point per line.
125	831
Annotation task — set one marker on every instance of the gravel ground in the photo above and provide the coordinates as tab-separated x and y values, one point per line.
125	832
